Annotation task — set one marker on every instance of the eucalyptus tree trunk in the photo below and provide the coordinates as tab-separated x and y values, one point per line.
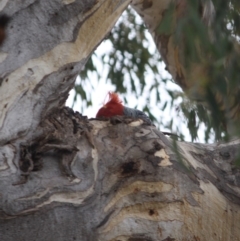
65	177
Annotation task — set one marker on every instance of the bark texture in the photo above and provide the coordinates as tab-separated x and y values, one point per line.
46	47
64	177
126	183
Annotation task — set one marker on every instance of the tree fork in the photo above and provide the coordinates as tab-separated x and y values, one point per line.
91	179
129	185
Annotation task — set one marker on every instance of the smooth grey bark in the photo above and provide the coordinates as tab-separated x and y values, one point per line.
64	177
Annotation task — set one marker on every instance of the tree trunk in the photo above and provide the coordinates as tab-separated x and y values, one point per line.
64	177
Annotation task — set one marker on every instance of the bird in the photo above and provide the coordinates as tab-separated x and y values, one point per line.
114	107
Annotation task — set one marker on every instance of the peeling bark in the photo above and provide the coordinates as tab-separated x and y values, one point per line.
64	177
130	185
